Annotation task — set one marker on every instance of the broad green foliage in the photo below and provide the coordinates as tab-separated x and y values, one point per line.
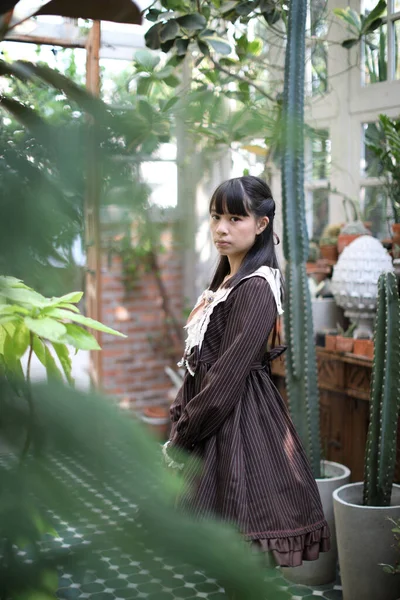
29	321
178	24
386	147
360	25
380	456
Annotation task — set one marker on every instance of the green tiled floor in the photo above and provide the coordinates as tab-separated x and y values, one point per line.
119	576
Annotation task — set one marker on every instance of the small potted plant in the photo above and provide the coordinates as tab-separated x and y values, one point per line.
349	233
344	339
328	243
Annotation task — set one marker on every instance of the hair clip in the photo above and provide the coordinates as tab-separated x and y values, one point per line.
276	238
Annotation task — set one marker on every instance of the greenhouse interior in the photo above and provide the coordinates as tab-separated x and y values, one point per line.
241	157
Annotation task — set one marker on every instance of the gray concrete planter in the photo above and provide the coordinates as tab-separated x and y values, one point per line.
323	570
364	540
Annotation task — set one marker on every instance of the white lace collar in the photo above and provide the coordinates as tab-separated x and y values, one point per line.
197	326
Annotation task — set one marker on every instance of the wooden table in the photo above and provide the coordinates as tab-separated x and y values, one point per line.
344	386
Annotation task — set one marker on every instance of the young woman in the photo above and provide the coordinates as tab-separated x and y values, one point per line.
254	472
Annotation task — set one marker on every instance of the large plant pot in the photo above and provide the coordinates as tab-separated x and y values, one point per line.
323	570
365	539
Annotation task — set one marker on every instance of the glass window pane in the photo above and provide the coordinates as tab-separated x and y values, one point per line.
321	153
318	16
319	67
376	211
375	56
320	208
372	138
397	48
396	5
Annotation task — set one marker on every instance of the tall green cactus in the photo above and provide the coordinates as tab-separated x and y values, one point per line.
301	369
380	457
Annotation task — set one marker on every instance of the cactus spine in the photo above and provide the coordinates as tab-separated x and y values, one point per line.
301	369
380	457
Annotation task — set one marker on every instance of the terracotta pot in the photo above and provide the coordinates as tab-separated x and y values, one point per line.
344	344
345	239
330	342
157	421
396	233
364	348
329	252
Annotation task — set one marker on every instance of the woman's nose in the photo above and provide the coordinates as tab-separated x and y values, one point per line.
221	227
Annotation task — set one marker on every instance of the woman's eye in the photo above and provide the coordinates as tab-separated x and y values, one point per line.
235	219
215	217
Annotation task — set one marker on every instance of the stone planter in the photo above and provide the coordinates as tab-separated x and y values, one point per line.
364	540
323	570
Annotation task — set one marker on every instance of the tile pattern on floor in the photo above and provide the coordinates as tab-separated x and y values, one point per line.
116	575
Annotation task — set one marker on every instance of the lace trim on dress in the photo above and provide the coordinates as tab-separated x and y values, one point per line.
197	326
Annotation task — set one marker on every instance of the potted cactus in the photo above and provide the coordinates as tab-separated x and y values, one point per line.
349	233
301	363
361	509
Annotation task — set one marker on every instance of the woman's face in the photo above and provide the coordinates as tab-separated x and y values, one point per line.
234	235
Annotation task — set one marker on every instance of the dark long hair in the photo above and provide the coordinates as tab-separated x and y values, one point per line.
243	196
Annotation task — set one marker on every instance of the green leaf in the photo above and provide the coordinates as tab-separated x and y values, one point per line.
46	327
3	335
350	17
193	22
74	297
374	25
227	7
169	31
65	361
11	360
147	59
152	36
24	296
218	44
21	340
153	14
172	81
143	85
170	103
163	73
52	370
79	338
244	8
350	43
60	313
255	47
69	307
38	348
181	46
373	16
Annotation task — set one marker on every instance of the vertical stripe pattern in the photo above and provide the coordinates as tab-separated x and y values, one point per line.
254	472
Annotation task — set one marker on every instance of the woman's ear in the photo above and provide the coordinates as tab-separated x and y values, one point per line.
262	224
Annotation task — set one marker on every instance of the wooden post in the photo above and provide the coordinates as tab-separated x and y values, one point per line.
92	217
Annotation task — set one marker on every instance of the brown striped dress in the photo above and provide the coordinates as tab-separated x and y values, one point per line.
254	472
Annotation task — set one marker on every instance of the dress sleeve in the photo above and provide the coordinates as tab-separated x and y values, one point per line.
249	322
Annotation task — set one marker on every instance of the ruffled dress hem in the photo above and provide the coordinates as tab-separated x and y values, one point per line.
292	551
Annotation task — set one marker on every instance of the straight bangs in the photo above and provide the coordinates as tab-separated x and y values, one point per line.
230	198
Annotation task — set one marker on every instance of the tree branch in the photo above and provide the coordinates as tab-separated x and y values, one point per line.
219	67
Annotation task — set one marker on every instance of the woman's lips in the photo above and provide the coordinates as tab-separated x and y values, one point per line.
221	243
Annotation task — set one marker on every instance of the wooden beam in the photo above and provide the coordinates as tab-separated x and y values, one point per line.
92	220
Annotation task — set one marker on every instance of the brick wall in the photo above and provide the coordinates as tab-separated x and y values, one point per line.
133	367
